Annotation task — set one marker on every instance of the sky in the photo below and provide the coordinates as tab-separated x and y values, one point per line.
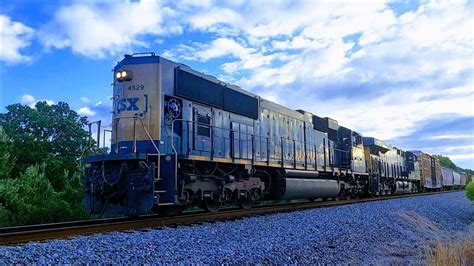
400	71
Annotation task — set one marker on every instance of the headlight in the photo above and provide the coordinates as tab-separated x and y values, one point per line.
123	75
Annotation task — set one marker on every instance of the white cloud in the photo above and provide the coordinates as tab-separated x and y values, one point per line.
464	156
85	99
197	3
99	110
222	47
460	154
85	111
30	100
209	17
48	102
458	148
99	29
451	136
27	99
14	36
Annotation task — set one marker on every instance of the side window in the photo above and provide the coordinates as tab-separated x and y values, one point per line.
202	129
357	140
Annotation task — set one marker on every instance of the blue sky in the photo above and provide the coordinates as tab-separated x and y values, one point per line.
401	71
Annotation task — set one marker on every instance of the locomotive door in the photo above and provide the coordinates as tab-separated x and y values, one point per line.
202	117
241	135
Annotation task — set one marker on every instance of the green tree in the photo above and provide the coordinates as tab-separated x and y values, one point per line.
53	135
6	160
40	168
446	162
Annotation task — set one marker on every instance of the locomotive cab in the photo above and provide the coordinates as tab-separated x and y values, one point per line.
136	105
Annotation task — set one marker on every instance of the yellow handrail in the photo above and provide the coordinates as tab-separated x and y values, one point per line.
135	137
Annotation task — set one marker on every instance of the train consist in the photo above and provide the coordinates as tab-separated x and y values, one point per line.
181	138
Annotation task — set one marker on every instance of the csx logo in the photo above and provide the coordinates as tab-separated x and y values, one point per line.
127	104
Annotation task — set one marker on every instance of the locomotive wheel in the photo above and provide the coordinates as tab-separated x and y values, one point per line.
248	201
211	205
245	203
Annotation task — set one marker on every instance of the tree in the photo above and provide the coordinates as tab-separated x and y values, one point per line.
446	162
53	135
6	160
40	170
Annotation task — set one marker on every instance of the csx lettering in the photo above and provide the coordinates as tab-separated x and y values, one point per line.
127	104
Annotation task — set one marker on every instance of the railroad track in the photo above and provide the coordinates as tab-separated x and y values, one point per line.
22	234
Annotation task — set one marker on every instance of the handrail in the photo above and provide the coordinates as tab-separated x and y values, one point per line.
280	140
135	137
98	122
175	152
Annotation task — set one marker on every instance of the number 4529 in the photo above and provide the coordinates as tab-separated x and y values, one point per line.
136	87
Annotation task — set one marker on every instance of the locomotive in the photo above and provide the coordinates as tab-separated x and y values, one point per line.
182	138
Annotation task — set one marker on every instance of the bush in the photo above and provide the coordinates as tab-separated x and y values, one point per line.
461	253
73	194
5	216
470	190
31	199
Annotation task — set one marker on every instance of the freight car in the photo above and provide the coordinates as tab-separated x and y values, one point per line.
464	179
181	138
456	180
448	178
453	179
430	171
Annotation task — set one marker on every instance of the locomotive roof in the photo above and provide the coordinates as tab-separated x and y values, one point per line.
281	109
152	58
215	80
376	142
138	58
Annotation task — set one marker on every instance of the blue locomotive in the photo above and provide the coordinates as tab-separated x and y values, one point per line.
181	138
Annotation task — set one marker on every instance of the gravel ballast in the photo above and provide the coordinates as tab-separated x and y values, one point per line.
392	231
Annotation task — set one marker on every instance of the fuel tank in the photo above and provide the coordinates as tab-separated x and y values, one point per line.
301	188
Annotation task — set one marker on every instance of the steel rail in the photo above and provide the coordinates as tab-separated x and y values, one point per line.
41	232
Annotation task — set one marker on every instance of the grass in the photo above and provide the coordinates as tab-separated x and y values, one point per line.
449	253
442	251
